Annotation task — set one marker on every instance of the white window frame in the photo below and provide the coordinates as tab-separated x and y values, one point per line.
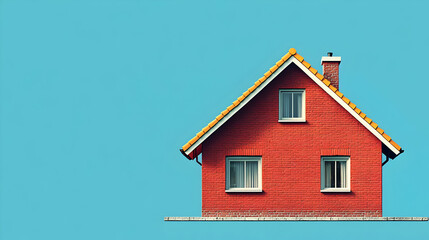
322	168
244	159
292	119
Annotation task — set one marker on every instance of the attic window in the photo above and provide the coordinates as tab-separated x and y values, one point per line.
292	105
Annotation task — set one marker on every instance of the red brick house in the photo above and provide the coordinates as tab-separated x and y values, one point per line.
292	146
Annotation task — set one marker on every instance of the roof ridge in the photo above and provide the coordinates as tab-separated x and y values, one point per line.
291	52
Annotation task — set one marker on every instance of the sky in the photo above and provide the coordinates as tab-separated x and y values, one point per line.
97	97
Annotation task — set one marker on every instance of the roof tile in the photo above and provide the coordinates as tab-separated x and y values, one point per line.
298	57
206	129
374	125
363	115
368	120
286	57
319	76
200	134
279	63
292	51
334	89
346	100
379	130
193	140
306	64
387	137
212	123
267	74
187	145
246	93
357	110
352	105
252	88
326	82
313	70
395	145
274	68
339	94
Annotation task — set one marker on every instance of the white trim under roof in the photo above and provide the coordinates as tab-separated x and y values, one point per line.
292	59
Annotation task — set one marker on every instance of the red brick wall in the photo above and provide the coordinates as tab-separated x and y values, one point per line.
291	155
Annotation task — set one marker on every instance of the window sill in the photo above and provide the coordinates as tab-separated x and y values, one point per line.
244	190
333	190
292	120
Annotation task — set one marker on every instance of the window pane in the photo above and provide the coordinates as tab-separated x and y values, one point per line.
287	104
251	174
329	174
236	174
297	105
341	174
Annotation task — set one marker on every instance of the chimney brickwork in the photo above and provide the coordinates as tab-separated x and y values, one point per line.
331	69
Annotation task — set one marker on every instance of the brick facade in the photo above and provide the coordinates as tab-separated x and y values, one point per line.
291	158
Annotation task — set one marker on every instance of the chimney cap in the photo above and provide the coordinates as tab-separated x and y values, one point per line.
330	58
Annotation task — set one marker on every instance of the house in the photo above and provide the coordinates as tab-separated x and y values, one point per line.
292	146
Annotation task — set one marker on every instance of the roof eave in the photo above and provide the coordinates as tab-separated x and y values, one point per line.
184	154
389	153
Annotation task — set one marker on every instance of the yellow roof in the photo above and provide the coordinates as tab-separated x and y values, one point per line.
292	52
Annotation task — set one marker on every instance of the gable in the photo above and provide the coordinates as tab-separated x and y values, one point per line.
257	127
193	147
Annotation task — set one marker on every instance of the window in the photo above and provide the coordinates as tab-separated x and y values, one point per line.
292	105
243	174
335	174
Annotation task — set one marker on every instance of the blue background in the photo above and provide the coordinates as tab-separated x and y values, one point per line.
97	97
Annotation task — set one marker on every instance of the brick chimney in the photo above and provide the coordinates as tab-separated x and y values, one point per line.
331	68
